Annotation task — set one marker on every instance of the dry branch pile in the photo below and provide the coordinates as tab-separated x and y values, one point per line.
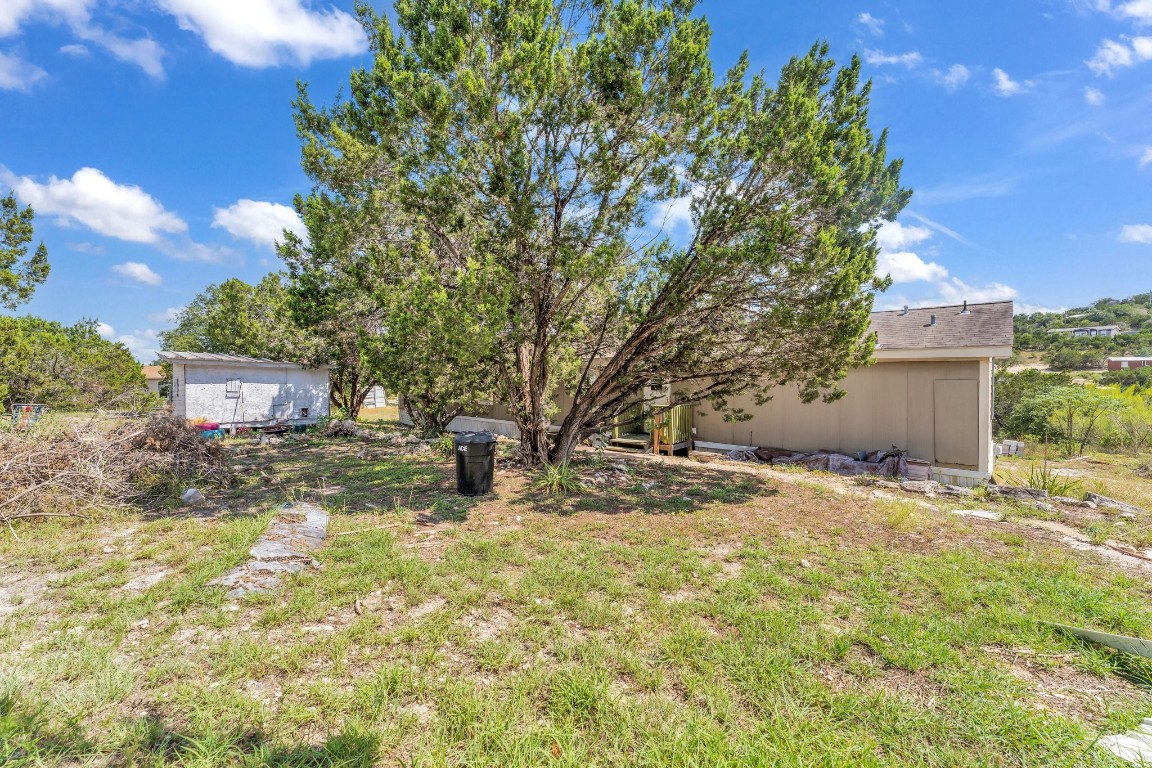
86	469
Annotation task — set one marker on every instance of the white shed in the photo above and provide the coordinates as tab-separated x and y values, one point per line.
238	391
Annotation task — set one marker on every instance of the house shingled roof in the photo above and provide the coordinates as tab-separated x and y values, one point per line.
986	325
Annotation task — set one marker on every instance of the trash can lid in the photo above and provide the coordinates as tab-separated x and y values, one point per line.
465	438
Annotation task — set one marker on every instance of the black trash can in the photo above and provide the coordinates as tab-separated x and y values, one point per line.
475	462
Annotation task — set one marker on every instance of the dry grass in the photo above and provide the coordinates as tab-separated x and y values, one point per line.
668	615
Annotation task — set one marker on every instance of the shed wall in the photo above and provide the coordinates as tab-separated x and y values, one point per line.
264	393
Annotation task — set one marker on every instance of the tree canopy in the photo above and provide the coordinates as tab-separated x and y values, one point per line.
20	273
70	367
235	317
518	156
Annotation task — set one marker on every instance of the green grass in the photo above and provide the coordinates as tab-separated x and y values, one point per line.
711	619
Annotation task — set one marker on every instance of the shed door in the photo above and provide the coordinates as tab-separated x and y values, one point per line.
957	422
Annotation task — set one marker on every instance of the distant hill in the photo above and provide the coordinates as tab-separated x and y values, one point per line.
1063	352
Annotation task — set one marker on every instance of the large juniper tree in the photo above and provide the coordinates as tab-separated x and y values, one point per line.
539	145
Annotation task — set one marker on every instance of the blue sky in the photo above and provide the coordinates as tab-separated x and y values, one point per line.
155	140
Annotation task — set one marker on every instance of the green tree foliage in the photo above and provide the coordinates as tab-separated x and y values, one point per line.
1014	388
530	143
235	317
331	281
19	272
1074	359
1139	379
1071	415
68	367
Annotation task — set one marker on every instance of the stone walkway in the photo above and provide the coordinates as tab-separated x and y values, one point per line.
286	547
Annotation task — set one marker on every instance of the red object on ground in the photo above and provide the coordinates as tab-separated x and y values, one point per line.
207	427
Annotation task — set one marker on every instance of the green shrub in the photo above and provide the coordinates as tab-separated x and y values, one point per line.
1045	479
445	445
558	479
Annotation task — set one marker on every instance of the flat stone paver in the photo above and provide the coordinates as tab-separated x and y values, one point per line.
286	547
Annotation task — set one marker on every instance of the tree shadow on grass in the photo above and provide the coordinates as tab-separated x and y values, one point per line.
351	476
150	741
618	487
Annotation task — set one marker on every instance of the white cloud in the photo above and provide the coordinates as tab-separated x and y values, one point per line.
144	345
871	23
75	49
1136	233
1004	85
912	59
262	223
105	330
144	52
954	77
1093	96
892	235
17	74
1113	55
672	214
903	265
13	13
167	316
907	267
90	198
138	272
185	249
265	33
1032	309
1140	10
1146	158
954	290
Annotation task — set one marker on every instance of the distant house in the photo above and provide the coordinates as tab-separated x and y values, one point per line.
238	391
1126	363
153	375
1091	330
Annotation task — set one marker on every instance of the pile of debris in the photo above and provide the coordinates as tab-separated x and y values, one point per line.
892	463
87	468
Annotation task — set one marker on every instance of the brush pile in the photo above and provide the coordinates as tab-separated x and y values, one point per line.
88	468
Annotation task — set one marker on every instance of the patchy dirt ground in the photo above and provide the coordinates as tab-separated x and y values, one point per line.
670	609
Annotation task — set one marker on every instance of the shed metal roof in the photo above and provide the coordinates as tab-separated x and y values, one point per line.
219	358
984	325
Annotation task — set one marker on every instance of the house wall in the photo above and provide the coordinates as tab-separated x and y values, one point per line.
264	393
176	391
889	403
1118	365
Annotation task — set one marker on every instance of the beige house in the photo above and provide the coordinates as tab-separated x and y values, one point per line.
929	392
153	375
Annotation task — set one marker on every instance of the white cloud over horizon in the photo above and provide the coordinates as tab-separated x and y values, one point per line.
259	222
106	331
268	33
1146	158
138	272
144	345
1093	96
90	198
898	260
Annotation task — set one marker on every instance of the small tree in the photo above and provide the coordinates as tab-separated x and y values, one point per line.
20	273
534	141
1073	413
